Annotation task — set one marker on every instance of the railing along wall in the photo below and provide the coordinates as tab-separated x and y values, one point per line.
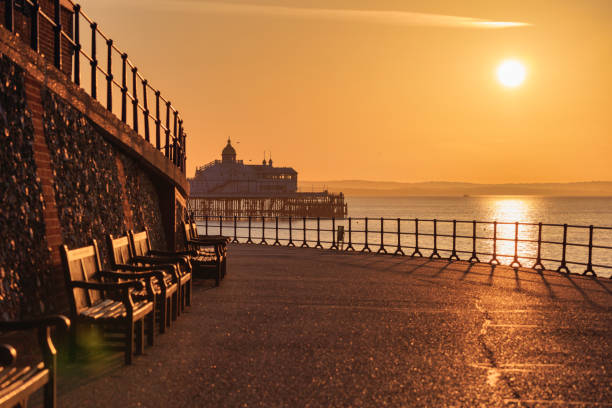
141	106
560	247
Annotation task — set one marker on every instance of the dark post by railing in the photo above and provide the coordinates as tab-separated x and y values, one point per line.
304	243
366	247
474	257
124	88
538	263
453	256
167	152
134	99
515	262
145	85
589	266
382	249
494	260
157	122
249	240
206	224
563	267
350	247
399	250
276	241
318	244
57	36
263	231
235	240
77	44
94	61
334	243
434	252
290	244
35	23
417	251
109	75
220	225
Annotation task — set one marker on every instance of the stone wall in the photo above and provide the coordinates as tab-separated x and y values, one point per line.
24	254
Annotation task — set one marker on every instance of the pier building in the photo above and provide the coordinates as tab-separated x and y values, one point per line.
229	187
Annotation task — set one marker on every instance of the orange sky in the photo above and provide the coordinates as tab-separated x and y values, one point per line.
382	89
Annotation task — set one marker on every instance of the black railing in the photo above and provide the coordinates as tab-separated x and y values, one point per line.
170	136
560	247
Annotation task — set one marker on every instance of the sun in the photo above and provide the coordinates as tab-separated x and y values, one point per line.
511	73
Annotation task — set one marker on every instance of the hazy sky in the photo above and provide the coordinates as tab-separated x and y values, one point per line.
395	90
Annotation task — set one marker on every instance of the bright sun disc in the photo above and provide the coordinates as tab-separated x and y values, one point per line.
511	73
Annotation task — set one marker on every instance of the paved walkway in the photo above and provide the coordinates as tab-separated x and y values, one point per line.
302	327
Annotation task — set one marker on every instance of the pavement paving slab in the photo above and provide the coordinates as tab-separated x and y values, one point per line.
299	327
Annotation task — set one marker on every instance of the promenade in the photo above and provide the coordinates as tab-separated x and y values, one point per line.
296	327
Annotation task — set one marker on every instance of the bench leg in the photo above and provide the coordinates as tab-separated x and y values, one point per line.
129	342
151	328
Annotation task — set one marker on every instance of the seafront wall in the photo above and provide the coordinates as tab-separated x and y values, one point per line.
71	172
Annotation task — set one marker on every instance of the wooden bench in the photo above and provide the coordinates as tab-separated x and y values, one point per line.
167	297
140	245
219	241
207	259
17	383
109	306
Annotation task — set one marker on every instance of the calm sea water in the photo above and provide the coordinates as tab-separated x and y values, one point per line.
574	211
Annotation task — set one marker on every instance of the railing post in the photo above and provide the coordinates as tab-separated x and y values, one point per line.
220	225
563	267
538	266
515	262
109	75
382	237
474	257
589	267
249	240
157	122
134	100
276	241
453	256
263	231
290	244
57	36
235	240
399	250
417	251
94	62
318	245
34	43
145	85
434	252
167	152
304	243
77	44
124	87
334	243
366	247
494	260
206	224
350	247
9	13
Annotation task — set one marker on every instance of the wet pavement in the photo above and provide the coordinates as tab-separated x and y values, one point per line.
294	327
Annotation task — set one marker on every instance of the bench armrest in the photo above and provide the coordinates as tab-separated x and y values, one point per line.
52	320
176	254
8	355
148	273
134	284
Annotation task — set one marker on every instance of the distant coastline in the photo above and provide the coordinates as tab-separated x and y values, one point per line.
364	188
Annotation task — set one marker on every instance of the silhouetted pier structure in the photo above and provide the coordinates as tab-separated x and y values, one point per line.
292	205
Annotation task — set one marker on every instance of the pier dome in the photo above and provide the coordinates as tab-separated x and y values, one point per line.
228	155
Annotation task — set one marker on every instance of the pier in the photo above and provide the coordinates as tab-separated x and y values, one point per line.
303	327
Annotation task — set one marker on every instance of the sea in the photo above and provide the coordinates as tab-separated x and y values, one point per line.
578	213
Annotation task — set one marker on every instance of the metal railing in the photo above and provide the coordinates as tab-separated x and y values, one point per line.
169	135
560	247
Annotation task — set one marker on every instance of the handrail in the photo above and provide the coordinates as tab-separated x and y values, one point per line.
517	244
175	136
